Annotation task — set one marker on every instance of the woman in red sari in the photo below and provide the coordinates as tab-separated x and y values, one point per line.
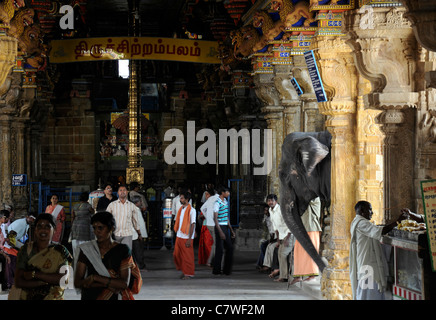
58	213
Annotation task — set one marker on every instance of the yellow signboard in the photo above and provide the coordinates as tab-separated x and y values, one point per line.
134	48
428	188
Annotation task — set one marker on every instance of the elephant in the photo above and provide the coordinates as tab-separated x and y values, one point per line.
304	174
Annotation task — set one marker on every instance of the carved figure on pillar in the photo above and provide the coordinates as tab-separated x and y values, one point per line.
8	9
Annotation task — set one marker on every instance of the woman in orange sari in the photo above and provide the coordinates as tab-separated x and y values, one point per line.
58	213
105	269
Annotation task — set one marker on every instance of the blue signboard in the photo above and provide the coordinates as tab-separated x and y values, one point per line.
19	180
314	76
296	86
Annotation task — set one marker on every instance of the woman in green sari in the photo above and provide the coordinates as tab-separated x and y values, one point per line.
39	264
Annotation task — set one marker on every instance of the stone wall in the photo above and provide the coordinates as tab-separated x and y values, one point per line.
68	145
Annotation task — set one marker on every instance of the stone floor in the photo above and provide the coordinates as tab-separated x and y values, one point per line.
161	282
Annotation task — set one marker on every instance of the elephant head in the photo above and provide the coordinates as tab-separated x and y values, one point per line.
304	175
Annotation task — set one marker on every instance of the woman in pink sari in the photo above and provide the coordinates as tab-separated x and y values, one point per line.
58	213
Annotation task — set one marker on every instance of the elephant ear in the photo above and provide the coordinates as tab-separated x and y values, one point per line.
311	152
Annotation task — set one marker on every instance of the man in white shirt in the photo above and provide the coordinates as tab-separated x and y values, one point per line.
19	229
368	266
125	215
207	210
285	238
184	227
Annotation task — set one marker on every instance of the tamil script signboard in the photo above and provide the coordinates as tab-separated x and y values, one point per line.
428	188
134	48
314	76
19	180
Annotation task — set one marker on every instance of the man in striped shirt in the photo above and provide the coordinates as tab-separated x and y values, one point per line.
223	233
125	216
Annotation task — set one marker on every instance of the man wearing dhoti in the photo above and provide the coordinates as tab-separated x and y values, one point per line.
185	229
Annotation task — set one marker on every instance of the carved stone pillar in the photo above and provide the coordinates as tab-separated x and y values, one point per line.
18	158
370	159
289	98
273	114
339	77
6	161
425	165
384	53
8	53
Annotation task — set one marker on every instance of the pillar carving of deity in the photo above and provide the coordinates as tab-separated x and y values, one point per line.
340	79
384	53
273	114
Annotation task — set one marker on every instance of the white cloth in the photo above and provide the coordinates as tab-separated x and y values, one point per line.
142	227
56	211
92	252
193	217
367	261
133	193
269	225
207	209
278	222
20	226
125	217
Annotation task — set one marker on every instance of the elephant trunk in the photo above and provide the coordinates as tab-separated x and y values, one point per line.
293	220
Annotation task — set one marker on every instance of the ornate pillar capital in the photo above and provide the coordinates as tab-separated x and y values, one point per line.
384	49
338	72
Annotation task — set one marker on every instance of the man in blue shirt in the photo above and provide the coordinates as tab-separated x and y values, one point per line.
223	233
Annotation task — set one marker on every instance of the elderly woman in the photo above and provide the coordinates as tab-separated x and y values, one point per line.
39	264
104	267
58	213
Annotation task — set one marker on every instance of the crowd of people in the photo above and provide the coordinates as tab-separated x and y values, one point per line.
106	243
106	240
108	253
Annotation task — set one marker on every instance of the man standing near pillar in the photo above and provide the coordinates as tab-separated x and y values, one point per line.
368	266
185	229
286	238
